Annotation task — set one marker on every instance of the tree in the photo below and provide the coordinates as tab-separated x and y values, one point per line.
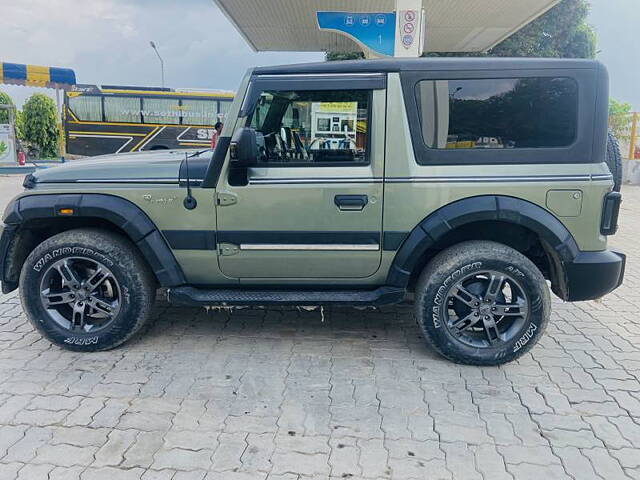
19	125
5	100
39	124
560	32
338	56
619	118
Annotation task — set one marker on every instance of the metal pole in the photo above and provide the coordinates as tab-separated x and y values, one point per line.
61	146
155	49
632	138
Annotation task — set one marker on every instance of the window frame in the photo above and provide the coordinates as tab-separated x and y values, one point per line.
285	83
580	151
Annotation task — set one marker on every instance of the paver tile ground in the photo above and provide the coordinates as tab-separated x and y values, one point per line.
290	394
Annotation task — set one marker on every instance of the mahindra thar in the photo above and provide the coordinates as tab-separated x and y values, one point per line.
470	187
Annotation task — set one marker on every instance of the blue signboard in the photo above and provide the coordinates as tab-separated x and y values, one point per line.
376	31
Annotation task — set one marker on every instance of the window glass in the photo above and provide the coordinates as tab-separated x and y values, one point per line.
225	106
315	127
122	109
498	113
199	112
161	110
86	107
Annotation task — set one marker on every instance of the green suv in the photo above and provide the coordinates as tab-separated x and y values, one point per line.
466	186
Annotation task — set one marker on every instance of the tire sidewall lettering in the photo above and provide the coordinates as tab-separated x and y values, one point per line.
82	340
62	252
443	289
526	337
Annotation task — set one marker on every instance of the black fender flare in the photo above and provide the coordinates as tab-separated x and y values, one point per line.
116	210
429	231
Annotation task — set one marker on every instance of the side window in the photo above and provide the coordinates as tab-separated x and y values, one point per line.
86	107
122	109
199	112
313	127
161	110
224	107
501	113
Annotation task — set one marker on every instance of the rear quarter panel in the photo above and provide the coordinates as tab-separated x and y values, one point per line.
413	191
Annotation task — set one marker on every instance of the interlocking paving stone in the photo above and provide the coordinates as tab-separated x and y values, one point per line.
280	394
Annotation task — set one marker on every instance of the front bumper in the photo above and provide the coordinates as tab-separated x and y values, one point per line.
592	275
7	232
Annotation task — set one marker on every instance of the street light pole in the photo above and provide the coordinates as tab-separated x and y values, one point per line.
155	49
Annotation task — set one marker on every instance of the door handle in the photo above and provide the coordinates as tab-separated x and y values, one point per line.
351	203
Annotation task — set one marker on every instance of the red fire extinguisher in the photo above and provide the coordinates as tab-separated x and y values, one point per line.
22	158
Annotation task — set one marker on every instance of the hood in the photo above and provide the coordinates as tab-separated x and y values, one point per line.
160	166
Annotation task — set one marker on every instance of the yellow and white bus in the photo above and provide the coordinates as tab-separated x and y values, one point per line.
117	119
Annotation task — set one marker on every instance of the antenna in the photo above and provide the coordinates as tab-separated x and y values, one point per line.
189	202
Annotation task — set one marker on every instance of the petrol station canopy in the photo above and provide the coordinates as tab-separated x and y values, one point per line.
37	76
451	25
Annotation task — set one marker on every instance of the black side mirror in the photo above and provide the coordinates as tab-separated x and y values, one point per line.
243	150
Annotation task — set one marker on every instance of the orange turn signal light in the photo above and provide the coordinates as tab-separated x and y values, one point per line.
65	211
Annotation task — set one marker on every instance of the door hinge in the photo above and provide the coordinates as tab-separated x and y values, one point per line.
228	249
226	199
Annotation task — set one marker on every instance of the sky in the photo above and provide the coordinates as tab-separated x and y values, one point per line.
107	42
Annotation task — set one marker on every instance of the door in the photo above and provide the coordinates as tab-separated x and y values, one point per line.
312	208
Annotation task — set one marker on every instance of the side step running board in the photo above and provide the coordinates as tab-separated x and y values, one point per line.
192	297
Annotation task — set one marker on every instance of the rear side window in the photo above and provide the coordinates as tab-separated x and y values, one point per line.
500	113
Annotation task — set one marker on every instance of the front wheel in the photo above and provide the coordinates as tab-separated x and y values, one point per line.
87	289
482	303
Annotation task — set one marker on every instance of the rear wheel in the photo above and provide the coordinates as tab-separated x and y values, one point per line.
87	289
482	303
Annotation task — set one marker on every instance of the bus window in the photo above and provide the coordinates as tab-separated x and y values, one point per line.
86	108
122	109
161	110
224	108
199	112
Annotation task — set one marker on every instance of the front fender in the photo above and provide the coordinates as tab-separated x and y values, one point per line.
116	210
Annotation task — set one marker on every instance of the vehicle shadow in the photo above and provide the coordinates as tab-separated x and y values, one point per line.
392	331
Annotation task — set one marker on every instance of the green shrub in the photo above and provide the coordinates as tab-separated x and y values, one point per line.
39	124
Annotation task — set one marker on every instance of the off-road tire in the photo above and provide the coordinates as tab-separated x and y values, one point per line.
136	281
614	160
463	259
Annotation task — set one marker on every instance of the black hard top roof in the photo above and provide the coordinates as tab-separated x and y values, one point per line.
428	63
